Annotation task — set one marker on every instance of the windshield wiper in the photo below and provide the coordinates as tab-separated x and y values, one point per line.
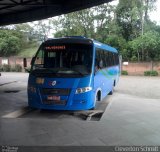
78	72
69	71
44	70
57	71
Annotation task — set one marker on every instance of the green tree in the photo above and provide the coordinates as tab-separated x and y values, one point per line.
129	18
9	42
151	46
132	15
76	23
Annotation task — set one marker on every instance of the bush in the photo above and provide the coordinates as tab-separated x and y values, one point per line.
146	73
1	68
154	73
18	68
150	73
13	69
134	58
124	72
6	68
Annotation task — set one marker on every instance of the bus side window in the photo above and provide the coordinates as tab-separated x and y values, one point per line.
104	59
96	65
113	58
101	64
107	59
101	58
110	59
113	62
97	60
117	59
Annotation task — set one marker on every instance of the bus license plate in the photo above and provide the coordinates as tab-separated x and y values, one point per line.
56	98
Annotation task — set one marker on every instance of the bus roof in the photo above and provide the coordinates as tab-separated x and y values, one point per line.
104	46
81	39
70	39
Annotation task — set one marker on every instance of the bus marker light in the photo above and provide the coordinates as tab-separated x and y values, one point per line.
39	80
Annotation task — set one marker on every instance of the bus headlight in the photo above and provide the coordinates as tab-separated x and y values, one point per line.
83	90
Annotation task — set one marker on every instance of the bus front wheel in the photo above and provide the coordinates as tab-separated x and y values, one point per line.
97	98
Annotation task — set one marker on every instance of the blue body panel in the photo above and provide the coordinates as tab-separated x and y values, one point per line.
103	80
74	101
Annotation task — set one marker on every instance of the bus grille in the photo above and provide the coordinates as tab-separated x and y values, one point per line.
54	91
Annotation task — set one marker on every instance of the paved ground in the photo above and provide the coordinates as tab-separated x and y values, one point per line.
145	87
131	118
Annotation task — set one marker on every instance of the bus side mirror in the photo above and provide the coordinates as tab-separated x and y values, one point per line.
24	62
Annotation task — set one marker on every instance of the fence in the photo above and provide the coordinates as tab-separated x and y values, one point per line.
140	67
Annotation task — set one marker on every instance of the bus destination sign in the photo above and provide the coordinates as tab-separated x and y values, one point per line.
55	47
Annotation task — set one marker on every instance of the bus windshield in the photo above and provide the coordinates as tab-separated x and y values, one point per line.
63	59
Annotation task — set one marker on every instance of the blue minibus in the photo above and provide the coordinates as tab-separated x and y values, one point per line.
72	73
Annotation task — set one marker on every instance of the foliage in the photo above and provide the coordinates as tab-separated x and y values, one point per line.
18	68
28	52
129	18
1	68
92	23
150	73
14	39
76	23
5	68
124	72
9	42
8	68
41	30
134	58
146	47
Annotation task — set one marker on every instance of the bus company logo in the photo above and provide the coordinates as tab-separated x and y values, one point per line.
52	83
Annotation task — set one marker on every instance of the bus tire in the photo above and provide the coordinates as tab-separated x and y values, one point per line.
114	84
111	92
97	98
